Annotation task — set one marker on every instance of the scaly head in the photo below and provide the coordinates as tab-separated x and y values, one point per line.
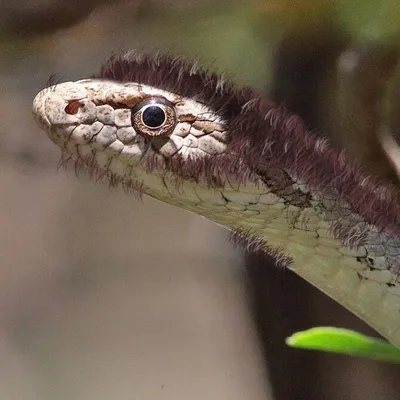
146	121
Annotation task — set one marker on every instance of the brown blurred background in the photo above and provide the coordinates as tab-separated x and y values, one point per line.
105	297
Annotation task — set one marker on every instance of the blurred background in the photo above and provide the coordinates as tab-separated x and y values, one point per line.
105	297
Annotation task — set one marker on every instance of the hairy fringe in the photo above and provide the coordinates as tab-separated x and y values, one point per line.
211	171
265	137
86	166
52	81
251	244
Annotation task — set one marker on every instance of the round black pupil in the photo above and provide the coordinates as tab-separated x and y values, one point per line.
153	116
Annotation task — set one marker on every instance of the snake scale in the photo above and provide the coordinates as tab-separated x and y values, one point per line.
164	127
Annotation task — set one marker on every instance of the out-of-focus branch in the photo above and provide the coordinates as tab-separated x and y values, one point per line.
362	76
391	149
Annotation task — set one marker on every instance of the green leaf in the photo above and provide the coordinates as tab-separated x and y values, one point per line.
344	341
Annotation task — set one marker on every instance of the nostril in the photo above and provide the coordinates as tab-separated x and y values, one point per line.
73	107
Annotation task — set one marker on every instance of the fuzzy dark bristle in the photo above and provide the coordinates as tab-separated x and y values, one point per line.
265	136
52	81
177	75
88	167
250	243
270	138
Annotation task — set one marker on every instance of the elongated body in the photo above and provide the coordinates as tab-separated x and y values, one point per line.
167	129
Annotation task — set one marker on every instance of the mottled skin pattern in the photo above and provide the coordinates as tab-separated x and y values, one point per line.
308	228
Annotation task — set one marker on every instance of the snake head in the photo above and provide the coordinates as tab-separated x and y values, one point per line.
127	129
148	121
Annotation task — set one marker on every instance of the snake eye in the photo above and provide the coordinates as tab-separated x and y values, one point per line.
153	117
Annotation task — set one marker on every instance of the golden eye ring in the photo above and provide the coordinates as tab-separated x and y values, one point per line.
153	117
